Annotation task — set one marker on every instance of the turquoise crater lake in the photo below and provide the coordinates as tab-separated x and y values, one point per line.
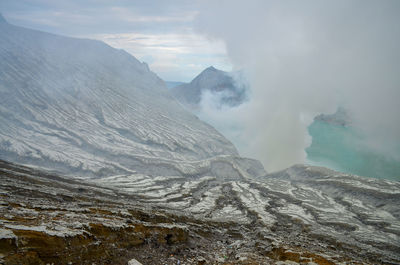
341	148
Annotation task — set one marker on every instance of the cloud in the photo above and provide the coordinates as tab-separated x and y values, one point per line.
159	30
174	56
73	17
127	15
307	57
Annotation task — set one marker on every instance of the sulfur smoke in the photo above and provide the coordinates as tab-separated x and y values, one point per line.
303	58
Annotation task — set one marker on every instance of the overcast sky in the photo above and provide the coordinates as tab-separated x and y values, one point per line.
157	32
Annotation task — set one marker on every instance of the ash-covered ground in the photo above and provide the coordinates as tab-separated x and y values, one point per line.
300	216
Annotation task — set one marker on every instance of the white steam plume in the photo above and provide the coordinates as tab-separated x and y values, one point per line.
307	57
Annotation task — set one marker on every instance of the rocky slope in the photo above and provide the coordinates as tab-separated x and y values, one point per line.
82	107
299	216
220	84
165	187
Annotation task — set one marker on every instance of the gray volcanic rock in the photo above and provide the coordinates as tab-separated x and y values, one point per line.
305	206
340	117
210	80
81	106
167	179
302	215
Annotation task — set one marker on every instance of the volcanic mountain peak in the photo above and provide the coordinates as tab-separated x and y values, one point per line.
211	80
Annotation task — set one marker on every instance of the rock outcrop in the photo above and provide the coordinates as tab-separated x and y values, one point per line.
299	216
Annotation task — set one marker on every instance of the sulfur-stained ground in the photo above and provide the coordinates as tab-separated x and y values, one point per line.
47	219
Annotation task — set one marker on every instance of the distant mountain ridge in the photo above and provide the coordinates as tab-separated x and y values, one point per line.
172	84
83	107
211	80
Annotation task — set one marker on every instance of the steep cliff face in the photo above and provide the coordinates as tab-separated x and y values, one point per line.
81	106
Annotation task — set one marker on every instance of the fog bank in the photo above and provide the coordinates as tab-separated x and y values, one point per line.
303	58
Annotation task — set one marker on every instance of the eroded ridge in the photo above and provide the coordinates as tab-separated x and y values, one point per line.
301	215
